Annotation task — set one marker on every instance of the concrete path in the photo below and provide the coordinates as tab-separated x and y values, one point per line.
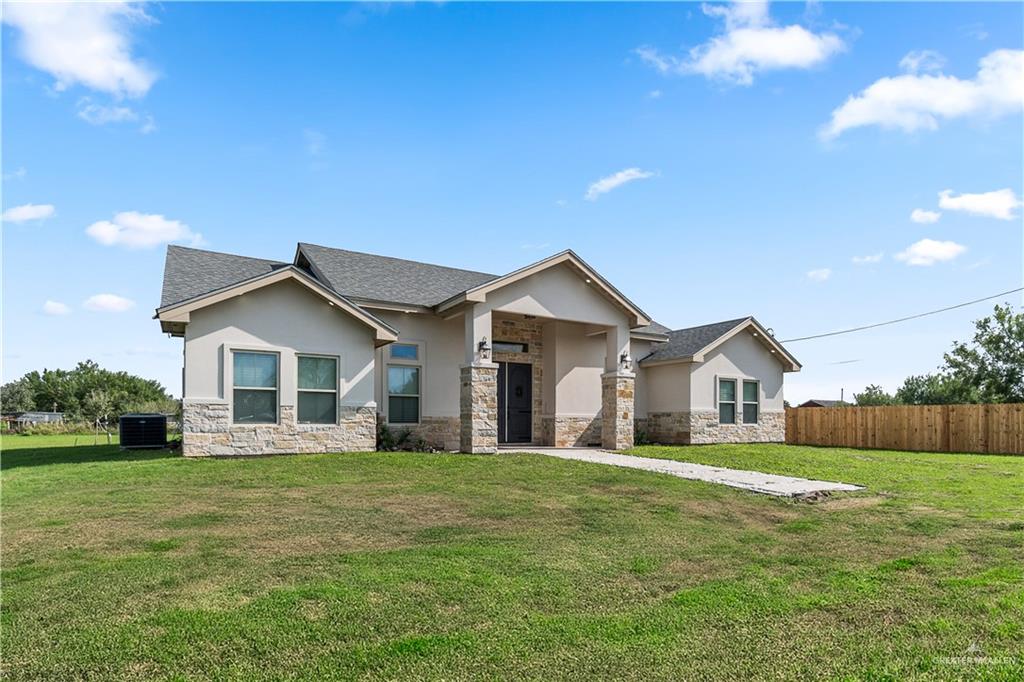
768	484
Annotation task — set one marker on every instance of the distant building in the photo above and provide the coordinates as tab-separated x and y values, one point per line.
816	402
22	419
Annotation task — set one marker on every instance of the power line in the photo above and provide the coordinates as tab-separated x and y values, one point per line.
904	319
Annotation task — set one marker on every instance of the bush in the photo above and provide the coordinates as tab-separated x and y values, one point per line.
61	428
640	436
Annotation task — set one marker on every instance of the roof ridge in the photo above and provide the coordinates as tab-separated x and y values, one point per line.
400	260
225	253
712	324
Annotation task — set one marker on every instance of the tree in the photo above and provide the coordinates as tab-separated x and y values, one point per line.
874	395
935	389
993	364
97	406
16	396
68	391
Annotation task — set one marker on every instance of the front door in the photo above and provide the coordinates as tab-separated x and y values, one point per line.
515	402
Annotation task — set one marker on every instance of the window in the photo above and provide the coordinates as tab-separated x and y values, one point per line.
509	347
405	351
255	388
403	394
726	401
750	402
318	390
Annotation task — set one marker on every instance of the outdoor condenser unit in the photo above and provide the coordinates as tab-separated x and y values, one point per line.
143	431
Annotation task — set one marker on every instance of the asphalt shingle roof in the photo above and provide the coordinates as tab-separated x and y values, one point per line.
193	272
394	280
683	343
653	328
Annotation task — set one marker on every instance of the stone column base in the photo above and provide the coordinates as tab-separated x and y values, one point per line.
478	408
617	389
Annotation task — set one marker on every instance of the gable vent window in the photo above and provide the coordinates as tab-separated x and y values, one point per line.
255	388
750	402
726	401
510	347
318	390
405	351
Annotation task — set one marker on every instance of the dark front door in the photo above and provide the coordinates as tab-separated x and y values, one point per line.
515	402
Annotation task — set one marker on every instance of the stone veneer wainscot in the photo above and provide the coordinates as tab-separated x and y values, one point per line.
207	431
702	427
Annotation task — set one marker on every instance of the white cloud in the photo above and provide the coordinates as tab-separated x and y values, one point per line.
316	142
136	230
930	252
108	303
922	61
819	275
148	126
21	214
18	174
998	204
56	308
87	43
868	260
610	182
751	44
99	114
913	102
920	215
654	94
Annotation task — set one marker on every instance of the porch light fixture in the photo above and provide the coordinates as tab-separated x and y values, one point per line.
625	362
483	347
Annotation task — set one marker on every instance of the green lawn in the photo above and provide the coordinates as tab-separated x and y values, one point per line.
394	565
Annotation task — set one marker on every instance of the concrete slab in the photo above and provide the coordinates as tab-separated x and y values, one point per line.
755	481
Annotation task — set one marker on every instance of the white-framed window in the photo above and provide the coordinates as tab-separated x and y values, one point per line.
726	401
254	385
403	386
317	399
751	391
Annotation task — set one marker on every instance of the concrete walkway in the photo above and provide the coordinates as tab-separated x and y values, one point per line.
768	484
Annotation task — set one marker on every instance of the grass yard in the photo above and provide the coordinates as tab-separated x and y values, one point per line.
145	565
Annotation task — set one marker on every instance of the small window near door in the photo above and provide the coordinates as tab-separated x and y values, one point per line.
255	388
405	351
750	402
318	390
403	394
509	347
726	401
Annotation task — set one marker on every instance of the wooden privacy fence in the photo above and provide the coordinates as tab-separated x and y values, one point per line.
936	428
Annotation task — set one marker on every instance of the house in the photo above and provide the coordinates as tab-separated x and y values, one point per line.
818	402
21	420
311	354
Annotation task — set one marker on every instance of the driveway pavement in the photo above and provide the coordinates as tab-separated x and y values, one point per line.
755	481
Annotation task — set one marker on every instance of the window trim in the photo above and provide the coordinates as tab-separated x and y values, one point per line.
718	398
419	393
230	385
756	402
336	391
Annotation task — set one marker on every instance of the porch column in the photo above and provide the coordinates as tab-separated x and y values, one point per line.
478	397
617	387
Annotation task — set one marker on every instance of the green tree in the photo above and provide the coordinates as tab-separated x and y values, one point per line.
16	396
67	390
993	363
97	406
874	395
935	389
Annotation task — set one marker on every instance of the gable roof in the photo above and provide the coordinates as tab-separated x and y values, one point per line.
690	344
173	317
819	402
653	330
568	257
685	343
369	277
189	272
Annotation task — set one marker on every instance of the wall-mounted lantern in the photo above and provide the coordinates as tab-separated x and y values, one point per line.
625	362
484	348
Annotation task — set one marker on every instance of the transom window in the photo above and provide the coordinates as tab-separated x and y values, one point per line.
509	347
750	402
318	390
255	388
726	401
405	351
403	394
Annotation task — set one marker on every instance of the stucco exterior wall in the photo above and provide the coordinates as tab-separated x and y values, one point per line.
555	293
740	357
286	319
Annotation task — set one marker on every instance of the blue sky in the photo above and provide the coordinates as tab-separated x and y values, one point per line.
738	176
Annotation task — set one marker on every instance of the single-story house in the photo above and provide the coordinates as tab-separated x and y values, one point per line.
310	355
